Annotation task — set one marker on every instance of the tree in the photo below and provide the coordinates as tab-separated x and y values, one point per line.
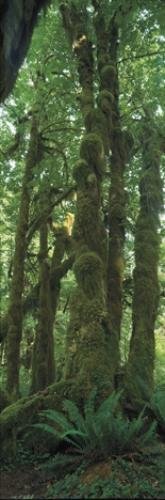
95	110
140	369
15	307
17	21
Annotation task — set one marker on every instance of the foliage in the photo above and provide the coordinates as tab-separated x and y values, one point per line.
117	478
97	432
158	405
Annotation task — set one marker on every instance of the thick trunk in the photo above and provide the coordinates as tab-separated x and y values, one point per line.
139	379
15	308
88	350
17	21
25	411
115	147
43	364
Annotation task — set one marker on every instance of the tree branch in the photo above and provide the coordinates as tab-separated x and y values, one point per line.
139	56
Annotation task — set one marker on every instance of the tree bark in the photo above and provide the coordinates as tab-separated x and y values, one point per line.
43	363
88	349
30	303
139	379
17	21
15	307
117	149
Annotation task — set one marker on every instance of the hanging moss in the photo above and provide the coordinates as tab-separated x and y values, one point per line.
88	313
96	122
105	101
86	102
80	173
88	272
107	75
91	147
88	228
92	151
102	61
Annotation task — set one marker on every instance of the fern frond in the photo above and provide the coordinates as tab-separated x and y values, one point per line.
74	414
47	428
149	435
57	418
110	404
103	431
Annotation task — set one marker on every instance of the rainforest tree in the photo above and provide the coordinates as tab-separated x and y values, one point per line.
99	164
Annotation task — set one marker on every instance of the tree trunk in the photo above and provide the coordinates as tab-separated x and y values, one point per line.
43	366
88	349
15	307
25	411
117	151
43	363
17	21
139	380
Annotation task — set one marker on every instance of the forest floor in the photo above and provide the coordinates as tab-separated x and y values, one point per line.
134	476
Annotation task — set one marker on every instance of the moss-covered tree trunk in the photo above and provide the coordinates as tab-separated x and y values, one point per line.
57	271
43	363
116	148
15	307
51	273
88	353
139	379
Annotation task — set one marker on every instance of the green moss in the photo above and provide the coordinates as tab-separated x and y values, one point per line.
102	61
88	228
86	101
151	189
91	148
140	368
81	171
107	75
16	417
88	271
96	122
105	101
88	349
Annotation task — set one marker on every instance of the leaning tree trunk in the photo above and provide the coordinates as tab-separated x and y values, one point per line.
15	307
88	347
17	21
139	379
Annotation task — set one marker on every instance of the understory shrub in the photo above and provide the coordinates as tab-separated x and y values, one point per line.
97	432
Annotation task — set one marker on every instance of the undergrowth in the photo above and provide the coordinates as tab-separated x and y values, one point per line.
97	432
114	478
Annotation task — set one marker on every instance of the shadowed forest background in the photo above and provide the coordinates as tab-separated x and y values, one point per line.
82	248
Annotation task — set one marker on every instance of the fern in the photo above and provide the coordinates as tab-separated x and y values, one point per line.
98	432
158	405
58	418
74	414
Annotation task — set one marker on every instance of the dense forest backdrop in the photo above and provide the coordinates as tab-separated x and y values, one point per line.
82	221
